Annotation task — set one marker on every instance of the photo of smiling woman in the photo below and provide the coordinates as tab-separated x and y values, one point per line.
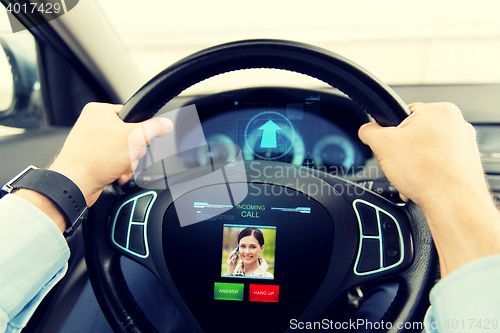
246	258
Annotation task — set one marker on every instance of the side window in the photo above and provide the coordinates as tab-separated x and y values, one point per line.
21	104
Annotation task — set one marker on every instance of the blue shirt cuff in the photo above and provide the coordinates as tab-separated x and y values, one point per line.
467	299
34	258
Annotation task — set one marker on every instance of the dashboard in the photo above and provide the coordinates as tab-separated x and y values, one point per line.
296	126
317	240
311	128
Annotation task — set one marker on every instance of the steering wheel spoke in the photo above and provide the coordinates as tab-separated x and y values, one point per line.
385	237
103	262
129	225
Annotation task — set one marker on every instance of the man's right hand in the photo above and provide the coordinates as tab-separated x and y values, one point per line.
432	158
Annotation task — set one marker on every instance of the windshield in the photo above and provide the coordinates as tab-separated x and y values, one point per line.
400	41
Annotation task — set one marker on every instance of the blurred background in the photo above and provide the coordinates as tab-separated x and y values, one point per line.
400	41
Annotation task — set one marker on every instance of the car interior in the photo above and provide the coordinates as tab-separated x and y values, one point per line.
279	155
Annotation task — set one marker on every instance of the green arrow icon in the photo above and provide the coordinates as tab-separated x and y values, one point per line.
269	134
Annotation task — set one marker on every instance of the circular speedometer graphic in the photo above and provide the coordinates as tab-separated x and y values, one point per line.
269	135
334	150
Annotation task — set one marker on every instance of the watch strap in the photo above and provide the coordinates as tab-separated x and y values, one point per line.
58	188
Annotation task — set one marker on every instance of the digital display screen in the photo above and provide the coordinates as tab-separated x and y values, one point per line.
248	251
293	253
278	129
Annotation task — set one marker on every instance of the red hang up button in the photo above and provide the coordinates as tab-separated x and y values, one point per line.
264	293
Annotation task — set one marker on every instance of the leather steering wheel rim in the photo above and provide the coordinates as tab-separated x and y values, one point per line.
383	104
362	87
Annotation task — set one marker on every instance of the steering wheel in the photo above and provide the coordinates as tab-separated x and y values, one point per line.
367	238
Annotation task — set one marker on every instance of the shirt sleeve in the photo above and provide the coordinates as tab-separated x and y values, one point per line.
33	259
467	300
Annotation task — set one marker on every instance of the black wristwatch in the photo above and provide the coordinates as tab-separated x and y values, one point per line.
56	187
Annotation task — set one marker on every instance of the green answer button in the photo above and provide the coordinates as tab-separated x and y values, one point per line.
228	291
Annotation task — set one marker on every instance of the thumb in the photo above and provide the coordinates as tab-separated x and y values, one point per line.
145	132
156	126
369	132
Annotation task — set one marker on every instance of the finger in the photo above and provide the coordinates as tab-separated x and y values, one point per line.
124	178
414	105
128	174
368	132
145	132
134	165
116	108
129	170
472	131
417	106
143	152
403	197
156	127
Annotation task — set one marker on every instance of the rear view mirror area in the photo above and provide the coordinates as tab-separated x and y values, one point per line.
20	97
6	83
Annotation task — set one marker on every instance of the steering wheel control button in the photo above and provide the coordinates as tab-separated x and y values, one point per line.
369	260
382	187
228	291
368	217
120	233
391	253
140	208
366	184
264	293
381	250
136	239
379	187
390	240
389	226
129	229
